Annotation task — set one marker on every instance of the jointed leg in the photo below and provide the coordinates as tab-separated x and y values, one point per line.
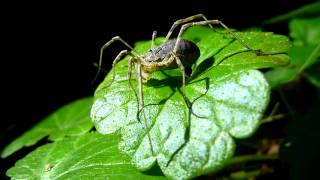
179	63
130	63
141	102
116	38
183	21
154	34
185	26
115	61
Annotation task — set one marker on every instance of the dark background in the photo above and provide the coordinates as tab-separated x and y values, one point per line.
48	48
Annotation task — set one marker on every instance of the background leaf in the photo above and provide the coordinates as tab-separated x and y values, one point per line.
304	53
305	31
70	120
89	156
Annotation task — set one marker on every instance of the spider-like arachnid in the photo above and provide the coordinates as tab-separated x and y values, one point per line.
171	54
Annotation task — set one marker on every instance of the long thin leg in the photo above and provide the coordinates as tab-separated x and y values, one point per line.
141	102
185	26
154	35
115	61
114	39
183	21
180	65
130	63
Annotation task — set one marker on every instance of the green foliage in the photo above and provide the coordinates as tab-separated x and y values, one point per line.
69	120
190	136
89	156
221	46
193	135
300	149
304	53
228	99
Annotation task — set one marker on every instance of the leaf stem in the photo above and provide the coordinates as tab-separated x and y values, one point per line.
251	157
312	56
272	118
245	174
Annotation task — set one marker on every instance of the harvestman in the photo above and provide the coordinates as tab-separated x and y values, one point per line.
170	54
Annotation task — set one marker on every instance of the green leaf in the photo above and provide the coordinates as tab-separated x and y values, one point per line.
70	120
304	53
305	31
228	99
220	45
89	156
300	56
310	10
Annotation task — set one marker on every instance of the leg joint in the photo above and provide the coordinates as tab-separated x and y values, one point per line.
116	38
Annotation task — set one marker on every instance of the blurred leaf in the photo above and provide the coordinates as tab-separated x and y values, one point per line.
228	99
305	31
70	120
89	156
304	53
299	57
310	10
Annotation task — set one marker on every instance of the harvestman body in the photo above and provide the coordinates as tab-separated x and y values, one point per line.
171	54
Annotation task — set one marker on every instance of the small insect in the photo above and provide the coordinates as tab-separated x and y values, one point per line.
171	54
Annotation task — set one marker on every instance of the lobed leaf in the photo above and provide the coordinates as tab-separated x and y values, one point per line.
193	135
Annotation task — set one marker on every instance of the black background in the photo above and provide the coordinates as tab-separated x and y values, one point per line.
48	48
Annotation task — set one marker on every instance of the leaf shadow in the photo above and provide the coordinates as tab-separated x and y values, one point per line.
161	102
208	63
154	171
190	112
171	81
